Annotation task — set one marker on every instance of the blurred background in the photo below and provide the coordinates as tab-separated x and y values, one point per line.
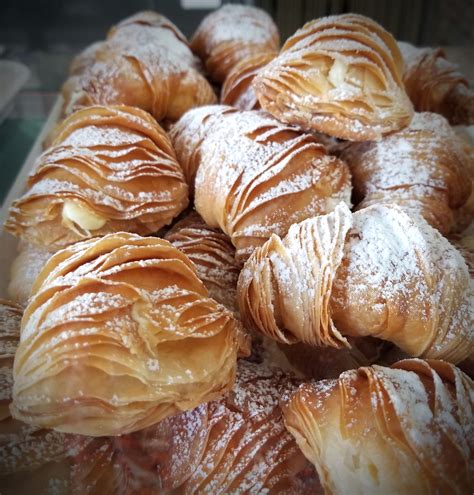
45	34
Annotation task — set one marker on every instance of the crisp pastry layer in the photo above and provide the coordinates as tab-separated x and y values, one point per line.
422	168
403	429
237	90
145	62
237	444
24	270
108	169
231	34
213	255
434	84
255	176
378	272
118	334
29	457
340	75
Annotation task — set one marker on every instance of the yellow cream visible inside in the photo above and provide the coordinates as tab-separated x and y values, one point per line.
337	74
78	214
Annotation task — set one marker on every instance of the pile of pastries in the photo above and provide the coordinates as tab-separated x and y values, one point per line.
272	294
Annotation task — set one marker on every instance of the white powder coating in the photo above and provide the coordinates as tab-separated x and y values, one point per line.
398	265
422	167
339	75
238	24
240	443
118	167
251	168
404	429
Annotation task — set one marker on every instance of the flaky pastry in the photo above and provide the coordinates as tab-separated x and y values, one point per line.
403	429
378	272
145	62
237	90
434	84
341	75
118	334
109	169
235	445
212	253
422	168
255	176
232	33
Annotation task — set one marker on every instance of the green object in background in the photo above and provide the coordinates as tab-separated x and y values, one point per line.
17	136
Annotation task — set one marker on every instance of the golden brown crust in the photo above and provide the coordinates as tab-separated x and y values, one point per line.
237	444
118	334
377	272
340	75
212	253
422	168
435	85
404	429
109	169
145	62
237	90
255	176
231	34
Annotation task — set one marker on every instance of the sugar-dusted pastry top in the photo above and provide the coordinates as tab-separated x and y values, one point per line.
377	272
212	253
341	75
255	176
403	429
237	444
232	33
145	62
118	334
434	84
108	169
422	168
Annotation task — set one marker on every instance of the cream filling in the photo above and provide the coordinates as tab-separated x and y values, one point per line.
75	213
337	74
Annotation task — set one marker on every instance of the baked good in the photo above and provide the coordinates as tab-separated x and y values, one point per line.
237	90
255	176
403	429
422	168
378	272
232	33
237	444
145	62
340	75
118	334
434	84
29	457
109	169
24	270
213	255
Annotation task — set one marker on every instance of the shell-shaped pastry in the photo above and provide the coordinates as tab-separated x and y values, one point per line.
434	84
109	169
24	448
237	90
237	444
377	272
422	168
212	253
255	176
145	62
340	75
232	33
118	334
403	429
